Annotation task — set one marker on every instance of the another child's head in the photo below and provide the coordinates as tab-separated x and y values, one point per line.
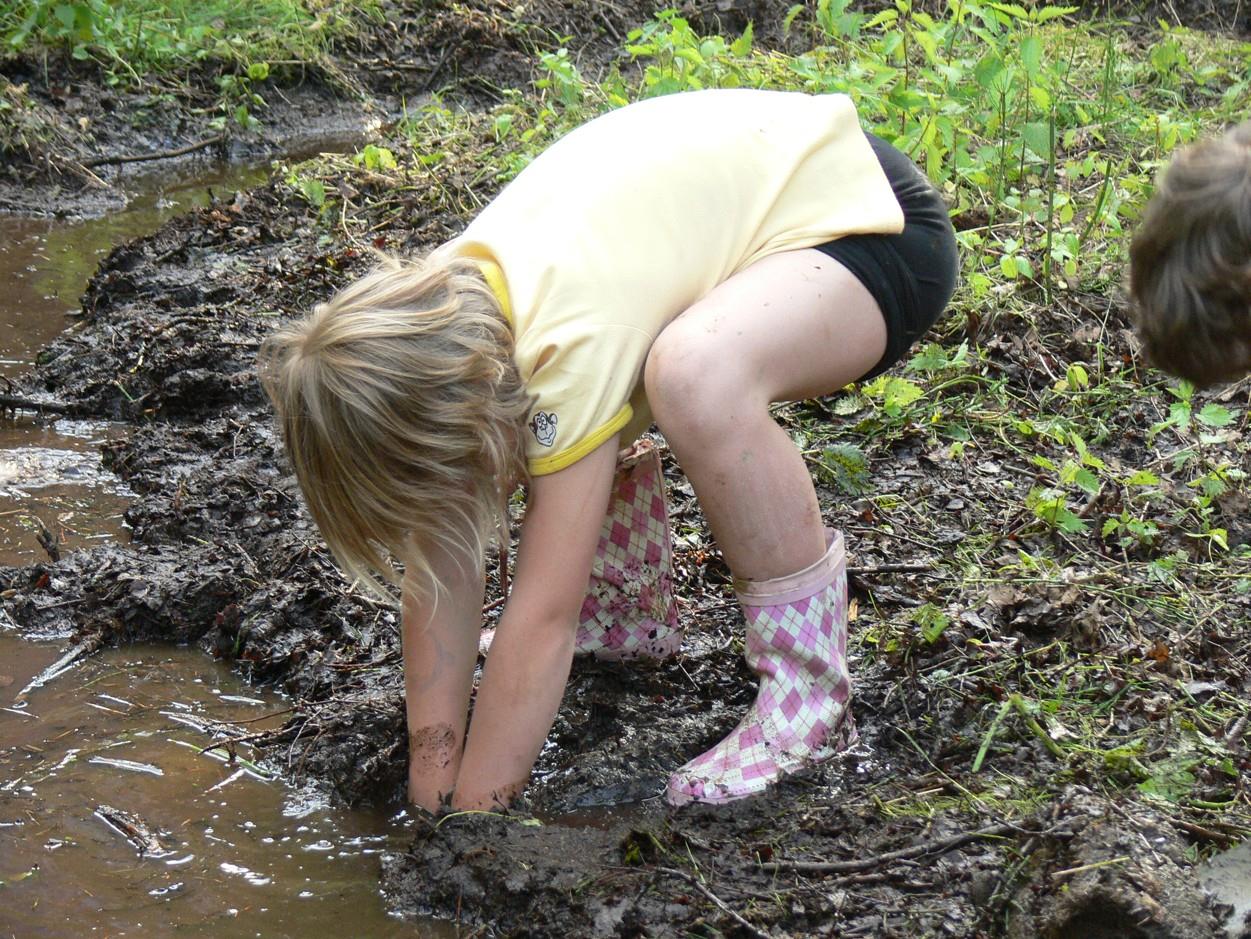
1190	262
401	409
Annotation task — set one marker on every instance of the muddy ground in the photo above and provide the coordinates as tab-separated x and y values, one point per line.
883	842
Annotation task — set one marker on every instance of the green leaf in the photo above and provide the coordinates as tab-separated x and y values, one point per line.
1086	481
1012	9
1037	136
1031	54
931	621
847	467
1143	478
1170	780
1215	415
1047	14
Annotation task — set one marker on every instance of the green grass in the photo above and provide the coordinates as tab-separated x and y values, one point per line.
131	38
235	43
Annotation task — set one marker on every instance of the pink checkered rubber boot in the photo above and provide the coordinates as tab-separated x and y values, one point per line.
797	644
629	611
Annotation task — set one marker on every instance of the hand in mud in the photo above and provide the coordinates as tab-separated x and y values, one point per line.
432	752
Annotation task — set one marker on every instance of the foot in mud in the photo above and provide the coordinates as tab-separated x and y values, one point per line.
797	644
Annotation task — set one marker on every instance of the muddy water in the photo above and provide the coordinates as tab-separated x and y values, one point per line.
115	746
50	473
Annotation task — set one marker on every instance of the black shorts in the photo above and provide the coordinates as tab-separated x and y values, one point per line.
911	275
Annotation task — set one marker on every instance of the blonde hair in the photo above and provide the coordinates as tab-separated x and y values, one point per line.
1190	262
401	409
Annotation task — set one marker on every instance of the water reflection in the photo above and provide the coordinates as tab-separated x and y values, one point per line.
114	822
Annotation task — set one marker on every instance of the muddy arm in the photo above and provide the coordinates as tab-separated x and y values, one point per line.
533	646
440	652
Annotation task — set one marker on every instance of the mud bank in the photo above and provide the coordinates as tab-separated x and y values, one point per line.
888	841
71	142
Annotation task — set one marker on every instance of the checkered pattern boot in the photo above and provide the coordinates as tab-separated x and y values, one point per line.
796	643
629	611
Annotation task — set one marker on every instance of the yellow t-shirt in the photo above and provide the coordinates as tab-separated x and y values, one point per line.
628	220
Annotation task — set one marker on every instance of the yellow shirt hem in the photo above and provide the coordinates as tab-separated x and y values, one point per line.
558	461
494	278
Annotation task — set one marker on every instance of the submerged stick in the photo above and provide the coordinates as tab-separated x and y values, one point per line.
160	155
62	665
133	828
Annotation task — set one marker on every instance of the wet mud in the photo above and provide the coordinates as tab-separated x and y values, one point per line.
223	557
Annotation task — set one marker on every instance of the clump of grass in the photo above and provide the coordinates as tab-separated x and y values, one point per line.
131	38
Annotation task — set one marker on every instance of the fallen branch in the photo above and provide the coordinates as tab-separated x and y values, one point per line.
62	665
161	155
940	846
714	899
18	403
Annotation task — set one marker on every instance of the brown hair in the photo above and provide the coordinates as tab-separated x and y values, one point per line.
1190	262
401	409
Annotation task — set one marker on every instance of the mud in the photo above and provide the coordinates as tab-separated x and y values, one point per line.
885	841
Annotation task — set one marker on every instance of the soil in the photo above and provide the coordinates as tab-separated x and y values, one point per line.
224	556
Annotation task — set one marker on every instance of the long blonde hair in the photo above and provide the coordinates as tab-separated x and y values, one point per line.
401	409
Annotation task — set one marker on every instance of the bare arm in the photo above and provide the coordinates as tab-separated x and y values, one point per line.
533	646
440	652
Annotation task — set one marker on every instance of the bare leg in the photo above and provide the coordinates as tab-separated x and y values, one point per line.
793	326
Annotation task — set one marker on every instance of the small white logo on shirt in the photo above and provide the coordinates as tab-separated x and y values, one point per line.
543	426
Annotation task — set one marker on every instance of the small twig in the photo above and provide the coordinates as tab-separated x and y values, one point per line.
939	846
1089	867
892	569
229	742
161	155
1207	834
714	899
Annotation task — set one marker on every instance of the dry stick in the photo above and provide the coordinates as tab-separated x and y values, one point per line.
714	899
940	846
162	155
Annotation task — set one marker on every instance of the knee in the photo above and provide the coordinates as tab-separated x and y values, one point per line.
692	385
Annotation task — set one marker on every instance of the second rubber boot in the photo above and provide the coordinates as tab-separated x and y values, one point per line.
629	610
797	645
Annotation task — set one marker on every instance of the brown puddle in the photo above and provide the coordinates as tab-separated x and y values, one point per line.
113	747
